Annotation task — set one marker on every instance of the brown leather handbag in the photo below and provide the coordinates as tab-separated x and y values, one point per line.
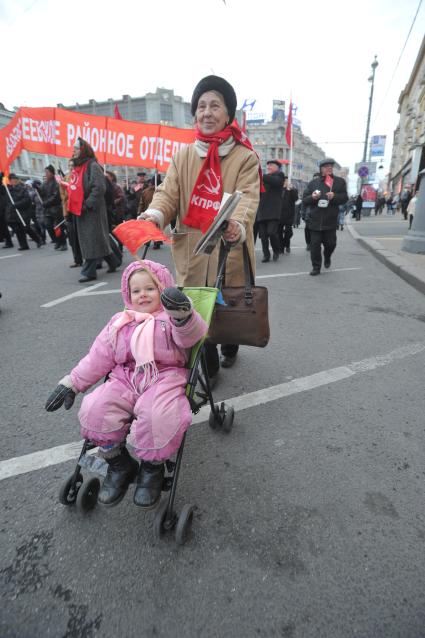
244	320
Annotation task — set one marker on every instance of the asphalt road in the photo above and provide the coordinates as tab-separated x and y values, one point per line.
382	226
310	519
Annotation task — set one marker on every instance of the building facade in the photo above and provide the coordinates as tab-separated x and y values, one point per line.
269	141
408	155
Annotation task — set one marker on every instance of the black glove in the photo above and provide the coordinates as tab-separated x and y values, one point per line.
176	303
60	395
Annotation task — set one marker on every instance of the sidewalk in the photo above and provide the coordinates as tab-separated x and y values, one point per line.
409	266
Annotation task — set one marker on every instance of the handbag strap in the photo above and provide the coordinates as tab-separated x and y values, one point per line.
247	267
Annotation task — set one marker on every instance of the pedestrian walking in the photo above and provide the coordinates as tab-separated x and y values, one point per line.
49	193
287	216
324	195
86	200
359	206
220	160
19	213
270	210
70	219
411	208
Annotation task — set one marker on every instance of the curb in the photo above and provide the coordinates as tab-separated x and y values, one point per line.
414	275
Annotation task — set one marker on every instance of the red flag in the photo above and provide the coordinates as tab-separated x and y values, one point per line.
137	232
244	122
117	113
289	126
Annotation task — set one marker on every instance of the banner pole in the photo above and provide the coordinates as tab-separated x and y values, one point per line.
13	203
126	176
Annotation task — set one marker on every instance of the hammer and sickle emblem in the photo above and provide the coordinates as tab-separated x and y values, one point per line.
211	187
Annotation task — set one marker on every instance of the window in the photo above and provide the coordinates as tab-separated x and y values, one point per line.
166	111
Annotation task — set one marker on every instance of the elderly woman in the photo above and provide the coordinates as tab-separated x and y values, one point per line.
86	200
220	160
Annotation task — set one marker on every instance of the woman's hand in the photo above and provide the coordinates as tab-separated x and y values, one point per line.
149	218
232	232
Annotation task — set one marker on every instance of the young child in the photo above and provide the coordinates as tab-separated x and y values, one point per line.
144	349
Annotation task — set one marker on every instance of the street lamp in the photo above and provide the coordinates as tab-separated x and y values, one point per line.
372	80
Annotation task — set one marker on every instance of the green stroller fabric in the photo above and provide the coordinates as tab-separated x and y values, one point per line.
204	301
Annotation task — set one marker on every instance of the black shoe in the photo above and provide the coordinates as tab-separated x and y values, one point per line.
122	470
314	272
288	249
40	243
275	256
149	485
157	245
23	248
327	263
99	266
227	362
57	246
75	265
83	280
8	244
265	260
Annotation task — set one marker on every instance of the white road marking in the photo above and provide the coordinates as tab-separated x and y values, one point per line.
60	454
79	293
296	274
9	256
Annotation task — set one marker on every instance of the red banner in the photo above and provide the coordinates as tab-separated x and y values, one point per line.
121	142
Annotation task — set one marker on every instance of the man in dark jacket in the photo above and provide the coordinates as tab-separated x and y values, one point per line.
19	213
287	217
268	215
324	195
4	230
52	203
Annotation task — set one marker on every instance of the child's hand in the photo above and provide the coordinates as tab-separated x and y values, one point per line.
64	393
176	303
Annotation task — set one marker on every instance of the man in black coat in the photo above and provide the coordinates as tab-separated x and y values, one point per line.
323	196
53	211
268	214
287	216
19	213
4	230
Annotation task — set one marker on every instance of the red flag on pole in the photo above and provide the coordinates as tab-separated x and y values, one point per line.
136	232
289	126
117	113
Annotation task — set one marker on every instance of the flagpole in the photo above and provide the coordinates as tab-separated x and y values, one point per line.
291	152
126	176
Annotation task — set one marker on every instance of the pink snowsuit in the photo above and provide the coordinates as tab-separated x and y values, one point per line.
154	421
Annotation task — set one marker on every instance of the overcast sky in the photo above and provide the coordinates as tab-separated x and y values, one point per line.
321	51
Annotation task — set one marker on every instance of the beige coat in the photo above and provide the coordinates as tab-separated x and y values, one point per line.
239	172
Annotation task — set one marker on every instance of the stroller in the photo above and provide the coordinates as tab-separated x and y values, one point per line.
83	492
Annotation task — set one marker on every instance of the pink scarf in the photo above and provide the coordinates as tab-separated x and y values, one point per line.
207	193
141	345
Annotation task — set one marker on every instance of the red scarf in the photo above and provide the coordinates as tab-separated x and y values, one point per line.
329	181
207	193
76	189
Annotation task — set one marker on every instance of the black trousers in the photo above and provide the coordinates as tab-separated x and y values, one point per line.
307	235
319	237
71	227
22	232
213	360
4	230
268	231
50	223
284	234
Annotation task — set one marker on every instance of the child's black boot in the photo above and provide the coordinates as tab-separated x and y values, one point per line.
149	484
122	469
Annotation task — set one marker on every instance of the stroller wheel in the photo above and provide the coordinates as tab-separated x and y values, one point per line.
87	495
184	524
229	415
158	521
214	420
68	495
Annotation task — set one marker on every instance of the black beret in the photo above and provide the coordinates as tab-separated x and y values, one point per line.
278	164
215	83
